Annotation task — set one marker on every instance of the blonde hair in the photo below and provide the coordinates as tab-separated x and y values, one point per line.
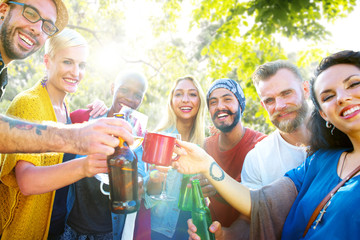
65	39
197	132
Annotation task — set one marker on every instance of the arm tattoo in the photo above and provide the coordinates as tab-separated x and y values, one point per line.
216	172
13	123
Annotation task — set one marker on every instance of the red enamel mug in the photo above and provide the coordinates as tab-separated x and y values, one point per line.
158	149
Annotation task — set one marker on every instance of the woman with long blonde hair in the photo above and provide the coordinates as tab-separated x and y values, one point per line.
186	108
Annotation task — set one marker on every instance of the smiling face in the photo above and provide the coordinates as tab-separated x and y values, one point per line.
224	109
337	90
66	68
185	100
283	97
130	92
19	37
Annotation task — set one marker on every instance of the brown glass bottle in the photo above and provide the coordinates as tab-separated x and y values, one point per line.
123	180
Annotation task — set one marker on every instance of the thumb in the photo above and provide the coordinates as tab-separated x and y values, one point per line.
214	227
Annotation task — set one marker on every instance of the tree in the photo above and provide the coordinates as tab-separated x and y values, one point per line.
240	35
226	38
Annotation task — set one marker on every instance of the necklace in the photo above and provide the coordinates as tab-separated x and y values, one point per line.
343	163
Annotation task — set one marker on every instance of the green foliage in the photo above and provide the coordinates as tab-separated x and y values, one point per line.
241	35
228	38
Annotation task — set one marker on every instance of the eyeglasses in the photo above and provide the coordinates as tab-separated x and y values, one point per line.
32	15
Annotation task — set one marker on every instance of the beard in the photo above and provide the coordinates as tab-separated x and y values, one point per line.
8	44
290	126
227	128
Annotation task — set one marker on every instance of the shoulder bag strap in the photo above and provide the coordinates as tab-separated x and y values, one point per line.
327	197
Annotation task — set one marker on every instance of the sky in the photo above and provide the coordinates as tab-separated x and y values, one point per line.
345	35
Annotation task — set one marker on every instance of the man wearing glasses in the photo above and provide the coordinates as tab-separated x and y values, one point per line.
24	27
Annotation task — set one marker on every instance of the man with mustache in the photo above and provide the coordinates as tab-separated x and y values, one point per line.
283	94
226	103
24	28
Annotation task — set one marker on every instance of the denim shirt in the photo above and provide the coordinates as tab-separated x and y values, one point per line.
118	220
165	214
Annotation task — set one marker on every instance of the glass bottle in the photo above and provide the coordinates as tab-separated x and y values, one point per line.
123	179
200	213
185	198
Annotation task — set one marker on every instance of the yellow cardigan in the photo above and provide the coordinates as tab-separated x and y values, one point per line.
27	217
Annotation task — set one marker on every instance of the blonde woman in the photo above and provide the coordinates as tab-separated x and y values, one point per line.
185	116
28	204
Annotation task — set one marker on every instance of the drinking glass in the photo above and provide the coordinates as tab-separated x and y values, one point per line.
138	122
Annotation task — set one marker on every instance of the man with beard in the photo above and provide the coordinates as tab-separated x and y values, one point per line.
24	27
282	93
226	103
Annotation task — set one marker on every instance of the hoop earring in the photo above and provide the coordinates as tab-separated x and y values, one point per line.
329	125
2	17
332	130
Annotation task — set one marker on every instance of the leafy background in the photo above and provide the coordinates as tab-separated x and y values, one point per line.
167	39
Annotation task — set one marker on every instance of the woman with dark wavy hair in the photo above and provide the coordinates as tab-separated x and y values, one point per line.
284	208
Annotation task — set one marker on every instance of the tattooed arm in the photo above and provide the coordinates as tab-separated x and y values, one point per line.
195	160
96	137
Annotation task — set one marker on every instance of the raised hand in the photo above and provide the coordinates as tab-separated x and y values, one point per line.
97	108
193	159
98	136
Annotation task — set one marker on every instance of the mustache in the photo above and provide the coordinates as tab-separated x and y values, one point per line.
288	110
222	111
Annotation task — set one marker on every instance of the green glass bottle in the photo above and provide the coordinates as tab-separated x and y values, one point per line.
185	198
200	213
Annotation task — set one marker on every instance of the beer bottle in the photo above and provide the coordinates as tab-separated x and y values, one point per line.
200	213
123	179
185	198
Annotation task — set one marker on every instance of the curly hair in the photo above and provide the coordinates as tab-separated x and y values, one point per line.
321	135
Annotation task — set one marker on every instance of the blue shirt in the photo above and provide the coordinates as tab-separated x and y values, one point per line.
314	179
